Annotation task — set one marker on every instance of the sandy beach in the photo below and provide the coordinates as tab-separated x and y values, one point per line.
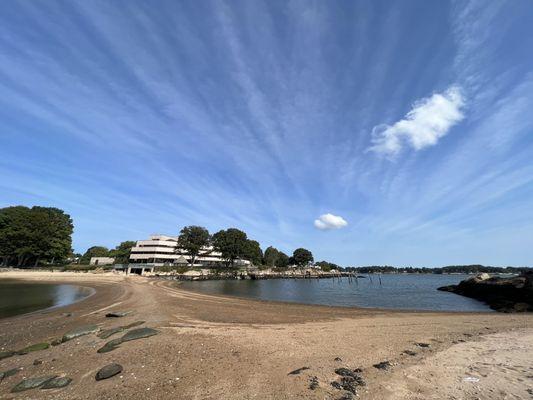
212	347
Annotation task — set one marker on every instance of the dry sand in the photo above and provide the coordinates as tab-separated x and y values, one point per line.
213	347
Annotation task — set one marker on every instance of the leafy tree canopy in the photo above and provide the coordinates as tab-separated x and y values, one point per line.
253	252
95	251
29	236
193	239
271	256
302	257
121	253
232	243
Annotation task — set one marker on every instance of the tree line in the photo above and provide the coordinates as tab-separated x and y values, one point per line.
29	236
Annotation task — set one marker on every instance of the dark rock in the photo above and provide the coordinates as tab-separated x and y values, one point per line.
56	342
139	334
410	352
298	371
110	346
344	372
81	331
338	359
313	383
513	294
7	354
9	372
117	314
384	365
31	383
108	371
34	347
110	332
37	362
425	345
57	383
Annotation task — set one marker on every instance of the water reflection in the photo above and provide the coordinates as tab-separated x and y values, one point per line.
20	298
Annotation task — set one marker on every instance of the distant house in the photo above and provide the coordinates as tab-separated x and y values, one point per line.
102	261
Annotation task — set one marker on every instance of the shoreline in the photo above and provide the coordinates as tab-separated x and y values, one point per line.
217	347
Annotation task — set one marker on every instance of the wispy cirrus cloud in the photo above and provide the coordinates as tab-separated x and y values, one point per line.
329	221
430	119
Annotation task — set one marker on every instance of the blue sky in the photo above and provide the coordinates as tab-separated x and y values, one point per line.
408	125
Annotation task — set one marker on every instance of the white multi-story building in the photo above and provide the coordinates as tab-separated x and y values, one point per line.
162	250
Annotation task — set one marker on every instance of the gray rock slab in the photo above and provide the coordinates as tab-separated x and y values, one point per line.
139	334
57	383
32	383
81	331
108	371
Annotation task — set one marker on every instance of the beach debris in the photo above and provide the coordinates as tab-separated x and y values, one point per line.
117	314
9	372
7	354
338	359
384	365
313	383
34	347
32	383
110	346
139	333
470	379
350	379
409	352
56	383
425	345
298	371
81	331
108	371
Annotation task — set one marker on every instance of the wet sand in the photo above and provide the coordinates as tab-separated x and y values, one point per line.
213	347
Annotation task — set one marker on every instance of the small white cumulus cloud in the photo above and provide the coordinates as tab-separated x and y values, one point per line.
330	221
430	119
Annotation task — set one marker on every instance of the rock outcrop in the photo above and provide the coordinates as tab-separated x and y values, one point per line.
513	294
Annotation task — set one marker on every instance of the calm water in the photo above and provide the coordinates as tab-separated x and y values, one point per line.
414	292
22	298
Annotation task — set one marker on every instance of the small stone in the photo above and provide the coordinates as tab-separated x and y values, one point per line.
139	334
425	345
37	362
384	365
298	371
81	331
410	352
31	383
34	347
338	359
344	372
108	371
57	383
313	383
117	314
56	342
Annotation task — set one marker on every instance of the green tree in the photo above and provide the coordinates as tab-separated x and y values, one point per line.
271	256
193	239
29	236
302	257
95	251
121	253
253	252
282	261
327	266
231	243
